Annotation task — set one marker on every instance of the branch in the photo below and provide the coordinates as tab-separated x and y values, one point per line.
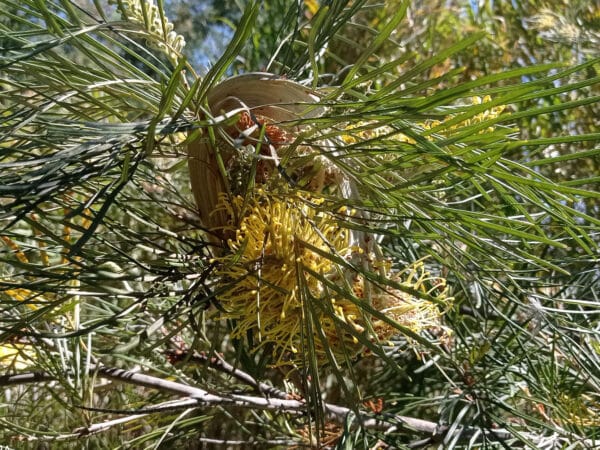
197	397
202	397
218	363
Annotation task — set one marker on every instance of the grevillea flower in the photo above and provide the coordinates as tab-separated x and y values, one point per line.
289	274
161	32
408	310
363	131
265	108
403	309
277	248
281	255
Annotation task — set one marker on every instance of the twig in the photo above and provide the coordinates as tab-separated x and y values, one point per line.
100	427
25	378
221	365
202	397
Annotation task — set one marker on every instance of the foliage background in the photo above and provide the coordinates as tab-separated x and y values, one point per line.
105	263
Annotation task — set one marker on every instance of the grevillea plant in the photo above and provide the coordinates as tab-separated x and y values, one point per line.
362	225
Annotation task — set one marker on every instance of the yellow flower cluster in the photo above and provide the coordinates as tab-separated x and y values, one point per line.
407	310
362	130
279	260
12	355
582	410
16	356
399	306
147	14
488	114
277	245
19	355
312	6
289	276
